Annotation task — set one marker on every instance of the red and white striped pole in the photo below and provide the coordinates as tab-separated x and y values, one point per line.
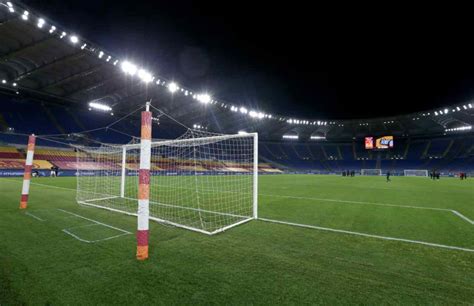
27	176
144	185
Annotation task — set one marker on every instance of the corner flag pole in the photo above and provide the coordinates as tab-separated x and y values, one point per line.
27	175
144	185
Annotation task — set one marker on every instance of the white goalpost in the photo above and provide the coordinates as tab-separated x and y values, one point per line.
415	173
201	182
371	172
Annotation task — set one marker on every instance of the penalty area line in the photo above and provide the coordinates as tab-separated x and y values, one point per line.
33	216
327	229
372	203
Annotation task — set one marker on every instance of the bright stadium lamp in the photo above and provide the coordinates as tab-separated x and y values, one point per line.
100	106
204	98
25	15
40	23
52	29
145	76
173	87
129	68
74	39
243	110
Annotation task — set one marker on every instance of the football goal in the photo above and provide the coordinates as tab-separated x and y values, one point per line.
415	173
371	172
204	183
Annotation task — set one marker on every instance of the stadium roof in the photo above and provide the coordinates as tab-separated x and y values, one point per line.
42	60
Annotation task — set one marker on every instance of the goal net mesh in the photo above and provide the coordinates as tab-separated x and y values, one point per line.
371	172
415	172
199	182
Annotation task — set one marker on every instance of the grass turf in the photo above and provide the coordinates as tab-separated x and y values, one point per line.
255	263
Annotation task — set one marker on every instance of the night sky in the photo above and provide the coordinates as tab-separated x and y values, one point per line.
293	59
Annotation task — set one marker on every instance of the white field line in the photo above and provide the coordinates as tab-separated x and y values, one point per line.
67	231
77	237
373	203
368	235
33	216
462	216
315	199
94	221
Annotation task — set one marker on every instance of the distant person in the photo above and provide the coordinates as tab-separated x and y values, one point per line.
388	176
353	173
56	171
461	175
35	173
431	174
438	175
53	172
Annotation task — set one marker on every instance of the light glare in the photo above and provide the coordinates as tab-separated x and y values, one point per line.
100	106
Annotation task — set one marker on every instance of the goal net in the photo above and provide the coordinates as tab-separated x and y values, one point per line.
415	172
370	172
206	183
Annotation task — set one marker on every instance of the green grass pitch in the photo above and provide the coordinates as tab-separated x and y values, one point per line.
58	252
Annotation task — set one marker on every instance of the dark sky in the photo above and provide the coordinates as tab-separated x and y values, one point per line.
293	58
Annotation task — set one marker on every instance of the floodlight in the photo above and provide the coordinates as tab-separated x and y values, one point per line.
100	106
14	84
172	87
101	54
40	23
290	137
243	110
145	76
129	68
53	28
63	34
4	81
446	110
74	39
470	105
204	98
253	114
83	46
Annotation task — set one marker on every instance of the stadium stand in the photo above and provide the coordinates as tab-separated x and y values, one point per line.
446	153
